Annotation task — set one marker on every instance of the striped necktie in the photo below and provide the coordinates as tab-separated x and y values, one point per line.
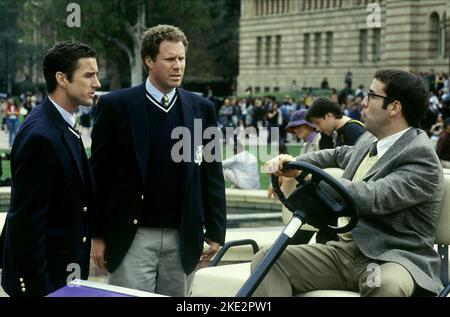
165	101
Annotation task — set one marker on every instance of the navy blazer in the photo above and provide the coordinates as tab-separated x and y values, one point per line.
120	151
45	239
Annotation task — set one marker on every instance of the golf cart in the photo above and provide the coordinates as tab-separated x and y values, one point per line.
310	203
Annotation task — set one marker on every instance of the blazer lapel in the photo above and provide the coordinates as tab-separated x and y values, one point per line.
139	130
69	138
360	152
187	110
75	149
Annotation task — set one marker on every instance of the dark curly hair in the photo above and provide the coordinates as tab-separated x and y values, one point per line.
154	36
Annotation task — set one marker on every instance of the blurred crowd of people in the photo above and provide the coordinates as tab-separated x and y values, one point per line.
14	111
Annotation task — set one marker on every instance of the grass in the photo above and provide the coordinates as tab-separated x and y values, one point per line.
261	152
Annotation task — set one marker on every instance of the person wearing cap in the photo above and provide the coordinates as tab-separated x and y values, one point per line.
304	130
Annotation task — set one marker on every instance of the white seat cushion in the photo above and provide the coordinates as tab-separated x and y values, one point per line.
220	281
2	220
329	293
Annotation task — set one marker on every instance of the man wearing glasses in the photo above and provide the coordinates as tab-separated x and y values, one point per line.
396	180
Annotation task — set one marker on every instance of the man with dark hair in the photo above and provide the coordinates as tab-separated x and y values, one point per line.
153	208
328	117
46	235
395	178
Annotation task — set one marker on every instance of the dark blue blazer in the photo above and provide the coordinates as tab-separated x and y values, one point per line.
45	239
120	151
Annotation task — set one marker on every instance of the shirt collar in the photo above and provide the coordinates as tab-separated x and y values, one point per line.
385	144
70	118
155	93
311	136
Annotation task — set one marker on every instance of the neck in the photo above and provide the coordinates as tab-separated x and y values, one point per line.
164	91
340	122
391	128
63	102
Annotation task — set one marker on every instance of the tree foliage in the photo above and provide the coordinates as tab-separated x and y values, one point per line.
114	27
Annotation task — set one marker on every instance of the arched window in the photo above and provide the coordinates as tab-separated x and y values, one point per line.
435	36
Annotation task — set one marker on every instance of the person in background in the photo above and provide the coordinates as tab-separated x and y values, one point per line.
12	112
241	169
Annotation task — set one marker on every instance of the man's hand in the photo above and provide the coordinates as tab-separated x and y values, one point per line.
270	192
208	254
275	166
98	248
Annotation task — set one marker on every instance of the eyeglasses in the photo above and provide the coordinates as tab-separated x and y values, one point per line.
371	94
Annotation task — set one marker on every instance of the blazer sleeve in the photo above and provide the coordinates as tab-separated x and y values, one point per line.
101	153
414	180
213	187
33	181
338	157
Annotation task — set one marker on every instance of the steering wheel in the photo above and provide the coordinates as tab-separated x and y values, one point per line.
320	200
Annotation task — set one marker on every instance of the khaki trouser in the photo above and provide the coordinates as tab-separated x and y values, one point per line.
338	265
153	264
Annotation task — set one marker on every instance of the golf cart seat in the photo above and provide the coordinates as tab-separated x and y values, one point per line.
227	280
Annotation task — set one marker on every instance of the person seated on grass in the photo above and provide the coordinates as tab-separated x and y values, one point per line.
241	169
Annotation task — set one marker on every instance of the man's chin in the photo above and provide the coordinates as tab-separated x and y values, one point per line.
87	103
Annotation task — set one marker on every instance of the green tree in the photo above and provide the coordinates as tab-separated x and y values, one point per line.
114	28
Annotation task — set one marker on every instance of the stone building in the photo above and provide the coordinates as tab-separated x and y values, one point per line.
307	40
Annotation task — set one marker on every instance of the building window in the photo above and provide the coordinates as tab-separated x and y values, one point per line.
329	47
435	36
266	89
318	47
268	49
278	50
276	89
362	46
257	90
256	7
306	48
376	50
258	50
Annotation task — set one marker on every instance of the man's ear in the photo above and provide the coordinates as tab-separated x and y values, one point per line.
328	116
395	108
61	79
149	62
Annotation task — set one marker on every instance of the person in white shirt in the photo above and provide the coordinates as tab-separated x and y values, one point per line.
241	169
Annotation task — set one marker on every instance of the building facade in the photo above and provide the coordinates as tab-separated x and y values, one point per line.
282	41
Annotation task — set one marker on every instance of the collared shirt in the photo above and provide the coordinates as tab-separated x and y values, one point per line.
155	93
385	144
70	118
